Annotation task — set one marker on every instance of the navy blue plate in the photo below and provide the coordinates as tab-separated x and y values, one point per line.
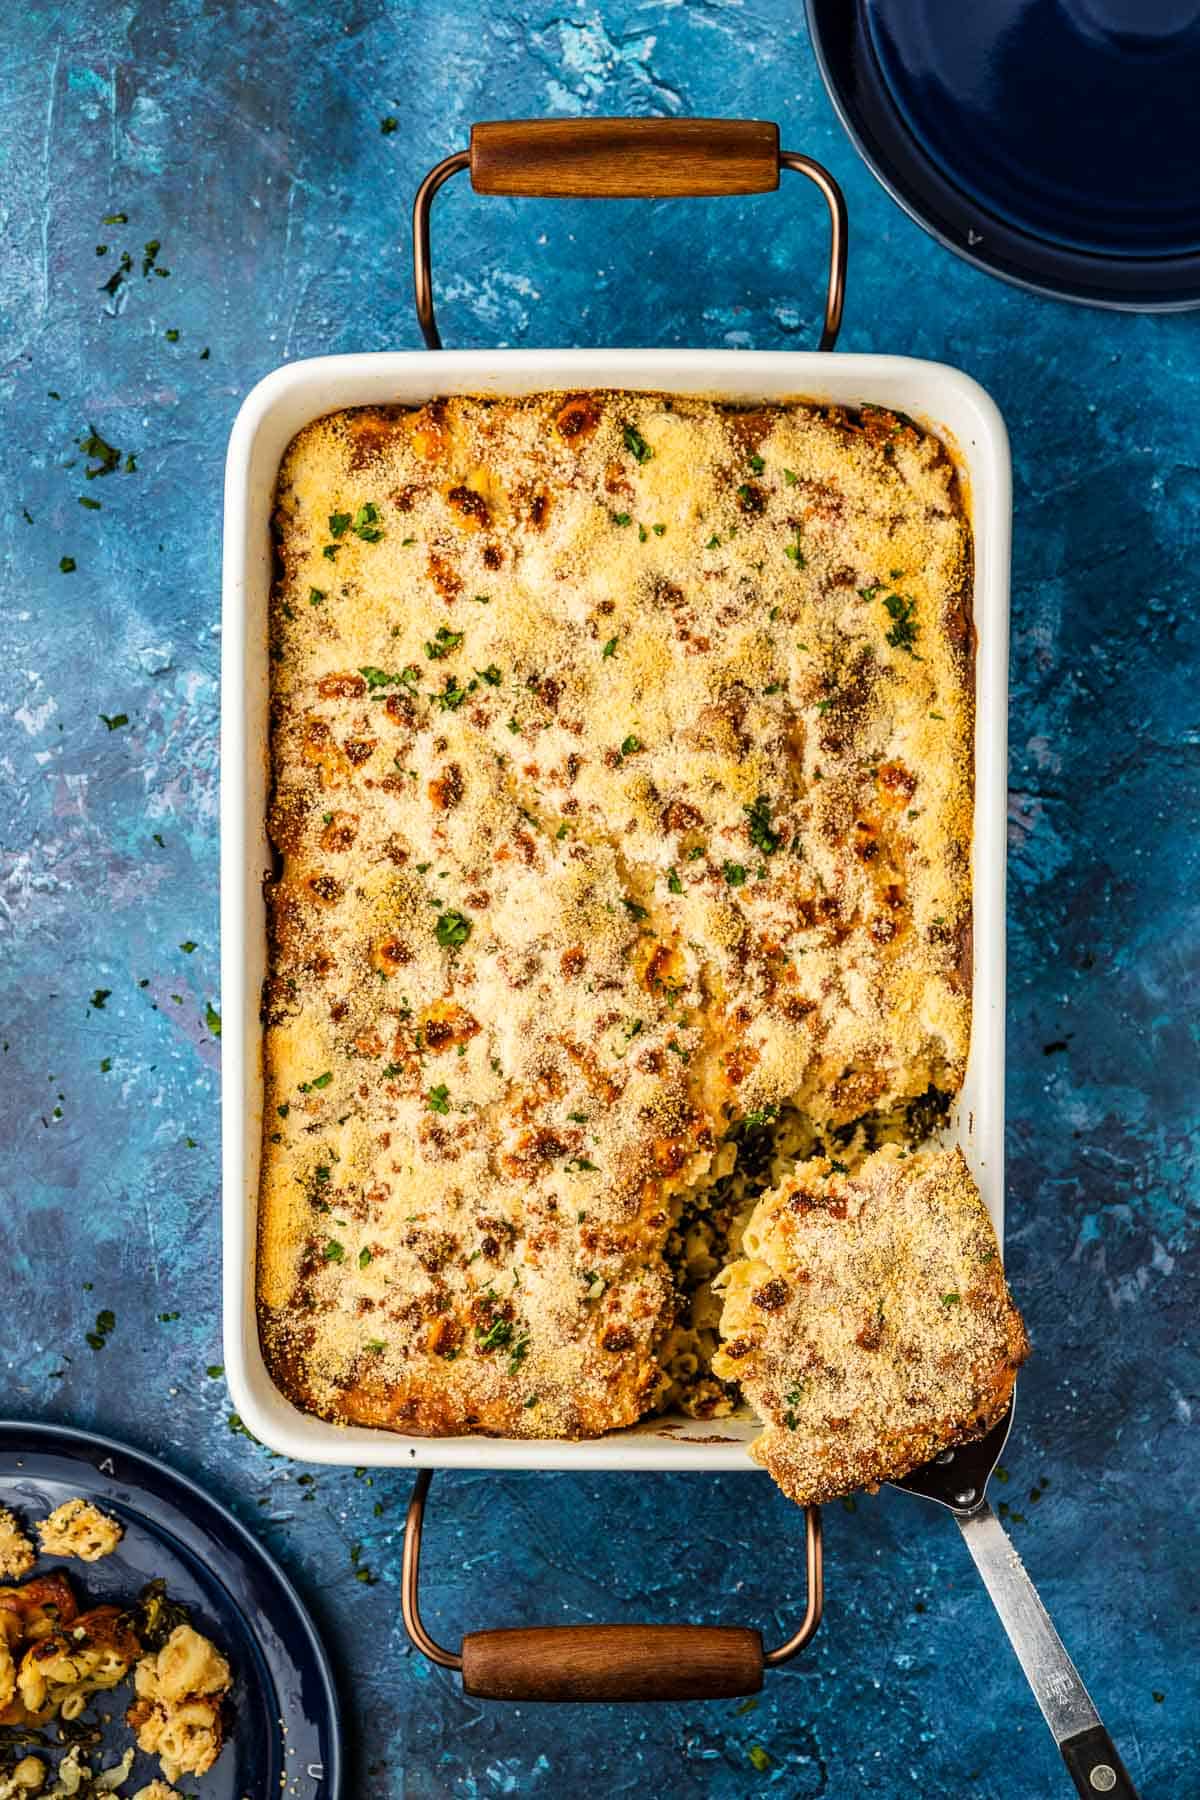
285	1738
1055	143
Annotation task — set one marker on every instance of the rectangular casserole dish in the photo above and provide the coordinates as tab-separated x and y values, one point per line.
592	157
938	398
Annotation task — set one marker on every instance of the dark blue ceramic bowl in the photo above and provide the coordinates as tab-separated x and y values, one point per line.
1055	143
285	1737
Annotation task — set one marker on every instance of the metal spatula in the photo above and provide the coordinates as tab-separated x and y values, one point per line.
957	1480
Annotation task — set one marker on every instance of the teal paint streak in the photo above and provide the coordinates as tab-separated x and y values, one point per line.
247	142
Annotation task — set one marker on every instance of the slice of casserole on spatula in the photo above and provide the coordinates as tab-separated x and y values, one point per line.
868	1321
869	1324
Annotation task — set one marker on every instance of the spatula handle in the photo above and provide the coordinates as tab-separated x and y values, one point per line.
1095	1767
1086	1747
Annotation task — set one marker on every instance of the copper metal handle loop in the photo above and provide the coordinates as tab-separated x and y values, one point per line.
450	1659
835	293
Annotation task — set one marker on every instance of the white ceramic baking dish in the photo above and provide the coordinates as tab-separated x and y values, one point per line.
938	397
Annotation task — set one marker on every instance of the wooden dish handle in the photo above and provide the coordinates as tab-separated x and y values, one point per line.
613	1662
626	159
629	159
606	1662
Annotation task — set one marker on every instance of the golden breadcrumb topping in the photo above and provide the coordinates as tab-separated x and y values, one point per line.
621	753
868	1321
77	1528
17	1554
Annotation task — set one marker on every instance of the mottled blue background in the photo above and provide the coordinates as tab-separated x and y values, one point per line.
246	138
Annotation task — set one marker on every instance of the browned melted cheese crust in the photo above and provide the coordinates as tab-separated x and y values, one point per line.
621	787
868	1321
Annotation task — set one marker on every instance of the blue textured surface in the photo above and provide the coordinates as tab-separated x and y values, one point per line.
246	138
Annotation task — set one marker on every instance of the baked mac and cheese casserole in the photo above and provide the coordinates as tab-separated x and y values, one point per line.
621	800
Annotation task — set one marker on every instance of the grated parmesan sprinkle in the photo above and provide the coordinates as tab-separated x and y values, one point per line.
619	793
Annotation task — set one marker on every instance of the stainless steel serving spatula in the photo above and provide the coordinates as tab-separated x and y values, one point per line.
957	1480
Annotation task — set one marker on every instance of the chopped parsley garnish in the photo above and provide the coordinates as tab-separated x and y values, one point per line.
479	599
794	553
903	614
444	641
622	518
339	524
438	1098
951	1300
761	835
491	675
581	1163
636	444
674	884
393	1071
578	1118
658	530
92	505
114	721
759	1757
172	336
630	744
757	464
734	873
67	565
634	910
187	946
316	596
379	678
106	457
389	124
375	1346
643	534
451	697
318	1081
334	1252
366	523
452	930
610	649
791	477
212	1019
496	1336
518	1354
713	542
364	1258
99	997
106	1323
118	275
762	1115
